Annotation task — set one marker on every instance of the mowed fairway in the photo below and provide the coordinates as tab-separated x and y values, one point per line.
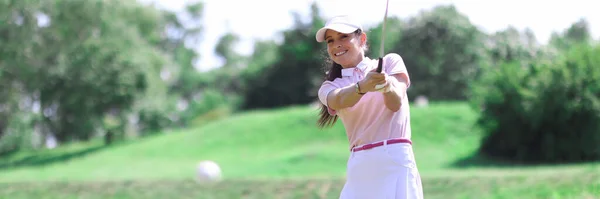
281	154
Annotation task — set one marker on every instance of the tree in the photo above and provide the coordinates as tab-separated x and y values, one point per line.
511	45
183	32
225	49
393	33
577	33
443	52
292	79
80	61
226	78
18	27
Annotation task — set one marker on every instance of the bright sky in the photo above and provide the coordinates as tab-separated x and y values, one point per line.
263	19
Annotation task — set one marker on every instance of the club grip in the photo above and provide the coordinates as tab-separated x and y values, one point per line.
380	65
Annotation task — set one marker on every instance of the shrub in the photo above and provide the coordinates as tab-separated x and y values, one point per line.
212	105
544	112
19	133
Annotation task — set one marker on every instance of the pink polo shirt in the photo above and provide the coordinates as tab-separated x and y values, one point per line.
370	120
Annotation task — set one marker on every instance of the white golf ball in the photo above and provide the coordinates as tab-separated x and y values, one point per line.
208	171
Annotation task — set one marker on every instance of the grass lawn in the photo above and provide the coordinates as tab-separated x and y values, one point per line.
281	154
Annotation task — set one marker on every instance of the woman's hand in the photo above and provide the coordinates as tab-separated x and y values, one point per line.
370	82
387	87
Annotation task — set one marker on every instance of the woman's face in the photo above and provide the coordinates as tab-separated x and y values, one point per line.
345	49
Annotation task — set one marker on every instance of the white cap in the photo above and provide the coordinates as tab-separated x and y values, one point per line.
344	24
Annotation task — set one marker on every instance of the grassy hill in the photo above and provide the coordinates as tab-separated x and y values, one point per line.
281	154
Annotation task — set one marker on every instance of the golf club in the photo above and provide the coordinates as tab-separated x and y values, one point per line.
381	53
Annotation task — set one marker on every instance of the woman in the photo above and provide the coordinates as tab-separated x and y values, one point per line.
375	112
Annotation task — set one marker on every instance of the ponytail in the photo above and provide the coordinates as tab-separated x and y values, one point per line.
325	119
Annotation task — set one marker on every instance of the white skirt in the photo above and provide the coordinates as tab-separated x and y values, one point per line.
384	172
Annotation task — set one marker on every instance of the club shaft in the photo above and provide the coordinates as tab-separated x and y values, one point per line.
381	53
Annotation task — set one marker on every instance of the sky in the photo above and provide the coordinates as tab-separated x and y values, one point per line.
264	19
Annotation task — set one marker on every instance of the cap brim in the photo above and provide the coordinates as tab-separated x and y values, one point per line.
336	27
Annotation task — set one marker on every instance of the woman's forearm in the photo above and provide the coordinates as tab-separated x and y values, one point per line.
393	99
343	97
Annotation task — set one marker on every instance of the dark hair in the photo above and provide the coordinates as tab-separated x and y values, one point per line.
335	71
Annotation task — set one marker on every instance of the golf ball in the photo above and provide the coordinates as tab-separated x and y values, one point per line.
208	171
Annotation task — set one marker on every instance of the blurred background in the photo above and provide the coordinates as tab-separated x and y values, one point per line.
124	98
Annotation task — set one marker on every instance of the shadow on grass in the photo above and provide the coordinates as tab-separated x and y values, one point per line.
477	160
8	153
40	159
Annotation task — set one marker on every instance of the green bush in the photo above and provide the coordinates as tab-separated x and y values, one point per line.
212	105
544	112
18	133
152	121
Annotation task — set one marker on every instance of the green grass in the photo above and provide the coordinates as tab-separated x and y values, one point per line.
281	154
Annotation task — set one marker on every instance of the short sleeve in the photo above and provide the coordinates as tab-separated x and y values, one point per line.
395	65
325	89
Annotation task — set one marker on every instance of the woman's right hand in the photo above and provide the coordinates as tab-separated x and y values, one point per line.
370	81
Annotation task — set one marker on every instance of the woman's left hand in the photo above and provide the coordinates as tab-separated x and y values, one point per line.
387	87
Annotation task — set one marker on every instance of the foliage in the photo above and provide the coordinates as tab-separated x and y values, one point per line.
544	111
576	34
264	56
298	70
209	106
442	51
512	45
393	33
106	60
18	134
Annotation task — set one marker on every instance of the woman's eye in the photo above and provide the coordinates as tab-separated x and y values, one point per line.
329	41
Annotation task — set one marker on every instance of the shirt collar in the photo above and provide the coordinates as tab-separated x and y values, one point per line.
362	67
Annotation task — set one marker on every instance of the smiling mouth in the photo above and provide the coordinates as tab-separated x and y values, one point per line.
341	53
